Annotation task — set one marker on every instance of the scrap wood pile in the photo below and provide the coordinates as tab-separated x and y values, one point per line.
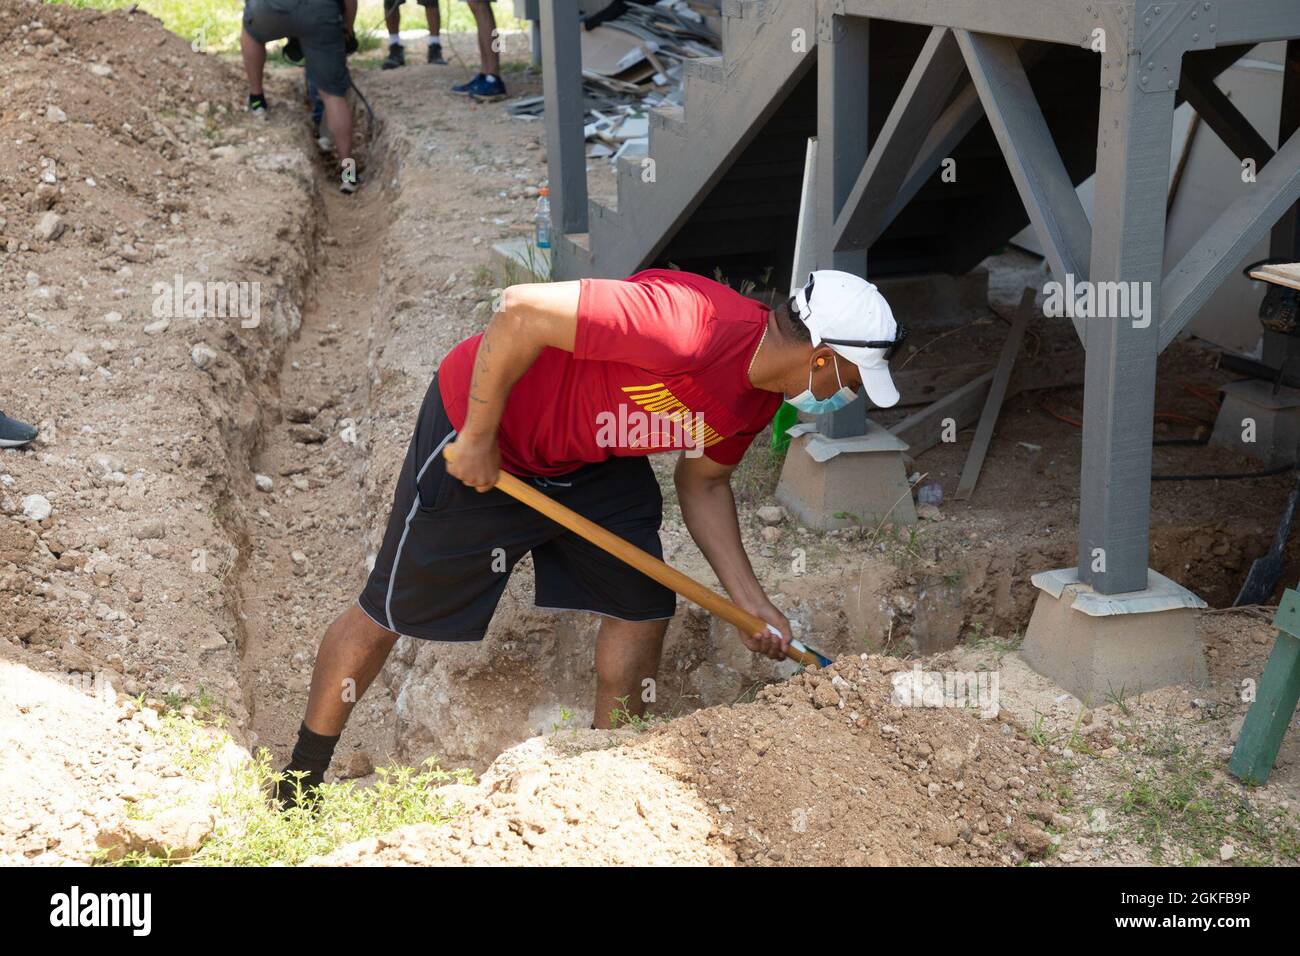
632	56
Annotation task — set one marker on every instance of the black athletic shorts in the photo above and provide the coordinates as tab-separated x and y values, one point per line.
318	25
449	549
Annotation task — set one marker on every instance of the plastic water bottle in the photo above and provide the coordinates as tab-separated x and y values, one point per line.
542	219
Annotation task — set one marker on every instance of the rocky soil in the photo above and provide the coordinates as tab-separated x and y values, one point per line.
210	485
824	769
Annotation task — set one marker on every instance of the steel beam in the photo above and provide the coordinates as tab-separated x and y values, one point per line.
841	151
1285	241
938	69
1134	131
1222	247
1222	116
566	157
1059	21
1036	166
1255	21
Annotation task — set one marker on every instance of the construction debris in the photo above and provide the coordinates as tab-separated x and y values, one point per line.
632	56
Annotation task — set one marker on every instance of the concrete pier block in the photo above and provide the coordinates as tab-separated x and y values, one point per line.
837	482
1251	410
1099	646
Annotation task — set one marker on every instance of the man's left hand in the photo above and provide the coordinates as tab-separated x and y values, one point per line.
765	642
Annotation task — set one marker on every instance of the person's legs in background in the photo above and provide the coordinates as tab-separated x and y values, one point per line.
254	54
487	85
393	20
338	120
434	20
317	117
486	22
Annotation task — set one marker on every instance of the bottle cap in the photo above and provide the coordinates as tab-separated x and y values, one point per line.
544	191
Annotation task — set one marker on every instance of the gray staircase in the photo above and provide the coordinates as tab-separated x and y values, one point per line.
728	100
728	164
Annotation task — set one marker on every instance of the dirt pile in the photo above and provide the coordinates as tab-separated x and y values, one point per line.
124	176
85	772
829	768
128	172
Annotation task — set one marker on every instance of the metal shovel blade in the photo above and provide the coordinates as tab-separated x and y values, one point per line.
1265	571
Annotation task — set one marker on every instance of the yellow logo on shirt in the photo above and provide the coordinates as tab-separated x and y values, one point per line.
660	402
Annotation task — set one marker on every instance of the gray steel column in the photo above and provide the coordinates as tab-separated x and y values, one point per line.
1133	139
566	157
1285	241
842	148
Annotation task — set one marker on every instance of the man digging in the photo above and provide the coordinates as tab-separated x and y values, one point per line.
570	387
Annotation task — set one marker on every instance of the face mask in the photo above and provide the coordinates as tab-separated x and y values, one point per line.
805	401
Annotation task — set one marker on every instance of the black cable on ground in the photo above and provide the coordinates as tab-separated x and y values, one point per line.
1228	475
356	89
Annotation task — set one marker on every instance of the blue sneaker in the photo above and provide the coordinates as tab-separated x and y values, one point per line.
464	88
488	89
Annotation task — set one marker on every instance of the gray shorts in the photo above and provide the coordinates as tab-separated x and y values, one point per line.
318	25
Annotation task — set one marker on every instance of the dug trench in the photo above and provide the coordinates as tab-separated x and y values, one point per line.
402	275
218	492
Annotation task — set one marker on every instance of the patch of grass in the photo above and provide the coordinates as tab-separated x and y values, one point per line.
1182	810
1038	733
983	640
566	716
622	716
212	25
1117	697
249	832
216	24
755	478
205	706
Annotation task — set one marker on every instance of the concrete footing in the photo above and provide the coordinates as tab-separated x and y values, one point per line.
1259	423
837	482
532	264
1099	646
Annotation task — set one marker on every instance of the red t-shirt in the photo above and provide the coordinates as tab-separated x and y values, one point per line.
660	363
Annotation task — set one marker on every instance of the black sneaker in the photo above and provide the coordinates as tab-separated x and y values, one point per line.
257	105
296	788
465	88
396	57
15	434
435	54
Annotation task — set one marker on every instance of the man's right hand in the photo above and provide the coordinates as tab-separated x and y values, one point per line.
475	461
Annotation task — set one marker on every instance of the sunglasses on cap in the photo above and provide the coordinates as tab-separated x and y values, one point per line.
890	347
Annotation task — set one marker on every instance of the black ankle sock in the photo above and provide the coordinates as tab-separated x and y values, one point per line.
313	752
256	99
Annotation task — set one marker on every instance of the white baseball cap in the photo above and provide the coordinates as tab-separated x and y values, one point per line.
848	314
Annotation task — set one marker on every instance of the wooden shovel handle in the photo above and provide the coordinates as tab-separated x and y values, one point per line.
646	563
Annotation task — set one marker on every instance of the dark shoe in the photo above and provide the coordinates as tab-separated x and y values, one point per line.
435	54
349	182
396	57
257	105
297	788
465	88
15	434
488	89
